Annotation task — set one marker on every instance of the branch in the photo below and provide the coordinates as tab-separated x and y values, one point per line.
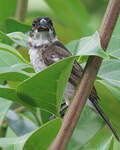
21	10
89	75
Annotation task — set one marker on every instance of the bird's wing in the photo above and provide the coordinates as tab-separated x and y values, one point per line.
56	52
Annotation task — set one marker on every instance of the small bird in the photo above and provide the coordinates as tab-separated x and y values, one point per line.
45	49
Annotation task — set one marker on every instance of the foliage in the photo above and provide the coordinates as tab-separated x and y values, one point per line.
27	100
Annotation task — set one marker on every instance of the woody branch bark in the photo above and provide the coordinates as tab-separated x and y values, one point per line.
21	10
88	78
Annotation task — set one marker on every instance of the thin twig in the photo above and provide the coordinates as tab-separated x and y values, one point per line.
21	10
86	84
19	109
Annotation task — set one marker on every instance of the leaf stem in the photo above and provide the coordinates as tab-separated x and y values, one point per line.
37	118
3	128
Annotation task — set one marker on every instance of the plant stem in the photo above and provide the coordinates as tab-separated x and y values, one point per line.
19	109
3	129
37	118
89	75
21	10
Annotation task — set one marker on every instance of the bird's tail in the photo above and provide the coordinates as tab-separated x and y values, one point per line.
101	113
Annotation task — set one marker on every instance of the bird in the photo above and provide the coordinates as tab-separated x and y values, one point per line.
45	49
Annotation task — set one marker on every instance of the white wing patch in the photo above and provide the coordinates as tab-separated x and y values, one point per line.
55	58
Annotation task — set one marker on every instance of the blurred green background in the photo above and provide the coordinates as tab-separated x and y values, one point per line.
72	18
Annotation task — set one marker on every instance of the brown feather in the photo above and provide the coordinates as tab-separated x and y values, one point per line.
58	50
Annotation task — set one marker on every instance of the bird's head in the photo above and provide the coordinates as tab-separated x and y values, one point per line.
42	25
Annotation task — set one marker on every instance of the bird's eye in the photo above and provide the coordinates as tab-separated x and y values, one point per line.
50	22
33	24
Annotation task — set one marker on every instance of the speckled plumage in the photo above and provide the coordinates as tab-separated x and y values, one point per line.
36	58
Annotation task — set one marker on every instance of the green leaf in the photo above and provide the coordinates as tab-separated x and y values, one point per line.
19	38
14	143
10	133
45	89
73	46
4	106
87	46
7	9
88	125
8	59
116	145
114	46
44	116
44	136
13	73
19	124
35	140
12	25
109	101
7	48
5	39
110	71
117	27
11	94
101	141
24	67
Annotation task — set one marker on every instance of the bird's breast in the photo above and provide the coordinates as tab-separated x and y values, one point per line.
36	59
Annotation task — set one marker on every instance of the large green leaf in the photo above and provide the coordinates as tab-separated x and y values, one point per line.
87	46
114	46
7	57
109	101
45	89
10	133
44	136
88	125
19	38
16	73
11	94
117	27
13	73
5	39
116	145
91	134
4	105
14	143
12	25
110	71
39	139
101	141
7	9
